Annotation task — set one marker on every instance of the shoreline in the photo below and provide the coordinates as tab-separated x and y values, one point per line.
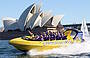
12	34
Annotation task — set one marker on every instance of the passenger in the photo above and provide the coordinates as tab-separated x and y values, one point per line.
32	36
42	37
37	37
58	36
45	37
50	33
43	34
46	32
64	37
52	36
58	33
55	35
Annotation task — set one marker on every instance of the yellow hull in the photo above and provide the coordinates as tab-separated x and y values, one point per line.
26	45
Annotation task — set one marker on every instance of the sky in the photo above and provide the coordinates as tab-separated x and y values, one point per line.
73	10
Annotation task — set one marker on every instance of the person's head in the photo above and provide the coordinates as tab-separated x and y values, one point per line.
53	32
44	33
56	34
41	36
50	32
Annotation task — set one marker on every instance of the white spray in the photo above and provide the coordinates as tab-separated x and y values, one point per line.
73	49
76	48
84	29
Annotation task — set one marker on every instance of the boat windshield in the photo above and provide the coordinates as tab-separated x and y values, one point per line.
70	32
73	33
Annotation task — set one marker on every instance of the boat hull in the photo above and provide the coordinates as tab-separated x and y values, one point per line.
25	45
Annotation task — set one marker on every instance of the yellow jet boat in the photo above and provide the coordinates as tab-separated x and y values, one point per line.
25	45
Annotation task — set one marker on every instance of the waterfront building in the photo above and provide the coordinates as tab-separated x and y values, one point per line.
31	18
10	23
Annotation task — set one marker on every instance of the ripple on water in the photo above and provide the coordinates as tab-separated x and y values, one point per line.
8	51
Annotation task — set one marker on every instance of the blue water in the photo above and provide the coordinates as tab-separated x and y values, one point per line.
8	51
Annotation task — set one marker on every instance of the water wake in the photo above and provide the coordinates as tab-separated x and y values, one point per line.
73	49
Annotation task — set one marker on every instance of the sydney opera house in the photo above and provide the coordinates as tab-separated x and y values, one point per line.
33	18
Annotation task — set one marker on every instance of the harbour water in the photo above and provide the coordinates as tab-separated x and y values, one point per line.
74	51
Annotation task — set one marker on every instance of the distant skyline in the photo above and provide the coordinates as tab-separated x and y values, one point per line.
73	10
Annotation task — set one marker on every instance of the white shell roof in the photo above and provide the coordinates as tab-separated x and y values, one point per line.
34	21
37	21
56	20
47	16
38	6
26	15
10	23
31	18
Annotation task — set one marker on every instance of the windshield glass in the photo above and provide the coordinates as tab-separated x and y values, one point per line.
71	33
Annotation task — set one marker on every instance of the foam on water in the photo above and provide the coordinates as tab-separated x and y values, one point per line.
76	48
